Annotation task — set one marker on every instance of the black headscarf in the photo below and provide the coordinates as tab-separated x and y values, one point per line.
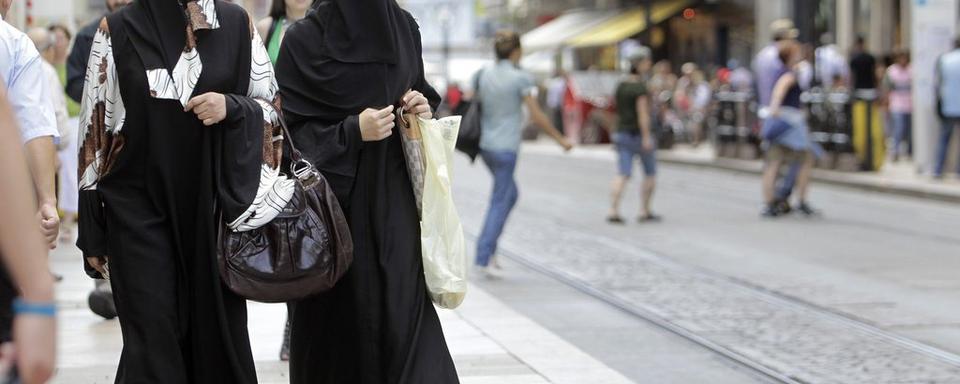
364	31
158	31
323	91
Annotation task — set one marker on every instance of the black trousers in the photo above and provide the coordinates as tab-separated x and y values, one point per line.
8	292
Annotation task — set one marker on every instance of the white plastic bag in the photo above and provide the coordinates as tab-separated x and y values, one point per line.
441	234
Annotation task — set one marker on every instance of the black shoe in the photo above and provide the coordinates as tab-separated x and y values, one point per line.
807	210
782	207
101	303
769	211
615	219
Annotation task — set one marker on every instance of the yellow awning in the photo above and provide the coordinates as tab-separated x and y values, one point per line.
628	24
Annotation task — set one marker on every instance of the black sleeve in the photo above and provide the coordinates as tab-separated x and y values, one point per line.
92	233
77	66
334	149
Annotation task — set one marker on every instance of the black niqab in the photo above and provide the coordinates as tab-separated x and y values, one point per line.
364	31
146	20
377	325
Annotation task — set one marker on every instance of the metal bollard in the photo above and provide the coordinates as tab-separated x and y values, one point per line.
734	133
867	123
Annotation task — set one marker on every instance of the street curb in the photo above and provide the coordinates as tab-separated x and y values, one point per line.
843	179
948	193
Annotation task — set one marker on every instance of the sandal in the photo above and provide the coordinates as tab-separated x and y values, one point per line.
649	218
615	219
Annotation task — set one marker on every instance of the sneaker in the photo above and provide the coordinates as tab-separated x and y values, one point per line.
782	207
487	273
806	209
101	303
768	211
495	263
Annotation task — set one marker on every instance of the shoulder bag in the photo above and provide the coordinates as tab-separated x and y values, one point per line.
304	251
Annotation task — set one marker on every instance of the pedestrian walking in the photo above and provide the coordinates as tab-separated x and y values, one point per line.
948	101
830	65
805	72
272	28
80	53
701	96
45	42
21	68
786	133
100	300
898	82
556	90
504	90
178	129
769	67
61	48
28	328
634	137
344	71
863	66
660	87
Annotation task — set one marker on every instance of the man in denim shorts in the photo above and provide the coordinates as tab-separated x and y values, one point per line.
634	137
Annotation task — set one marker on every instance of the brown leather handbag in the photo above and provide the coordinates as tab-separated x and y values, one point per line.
302	252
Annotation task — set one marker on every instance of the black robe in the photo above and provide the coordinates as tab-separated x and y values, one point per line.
378	324
149	193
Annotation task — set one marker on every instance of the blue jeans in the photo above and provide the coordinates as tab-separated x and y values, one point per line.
785	188
502	165
630	145
943	148
902	132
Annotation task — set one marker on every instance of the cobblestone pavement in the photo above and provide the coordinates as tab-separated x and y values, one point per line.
801	341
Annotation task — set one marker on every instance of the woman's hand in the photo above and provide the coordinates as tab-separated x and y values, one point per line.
210	107
99	263
35	339
377	124
415	102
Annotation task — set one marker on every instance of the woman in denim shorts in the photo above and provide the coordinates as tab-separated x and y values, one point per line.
634	137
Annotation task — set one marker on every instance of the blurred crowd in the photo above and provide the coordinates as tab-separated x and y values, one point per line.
685	95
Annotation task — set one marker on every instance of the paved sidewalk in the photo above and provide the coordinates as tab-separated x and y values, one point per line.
490	342
896	178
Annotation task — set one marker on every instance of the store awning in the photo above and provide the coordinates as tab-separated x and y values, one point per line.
625	25
553	34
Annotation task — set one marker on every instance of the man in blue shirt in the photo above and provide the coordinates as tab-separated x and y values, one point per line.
504	90
768	67
948	97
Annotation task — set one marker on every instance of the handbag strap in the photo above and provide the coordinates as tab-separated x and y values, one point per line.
295	154
299	166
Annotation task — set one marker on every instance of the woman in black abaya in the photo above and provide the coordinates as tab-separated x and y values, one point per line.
176	125
341	70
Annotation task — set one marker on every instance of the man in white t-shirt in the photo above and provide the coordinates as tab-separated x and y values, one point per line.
22	72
